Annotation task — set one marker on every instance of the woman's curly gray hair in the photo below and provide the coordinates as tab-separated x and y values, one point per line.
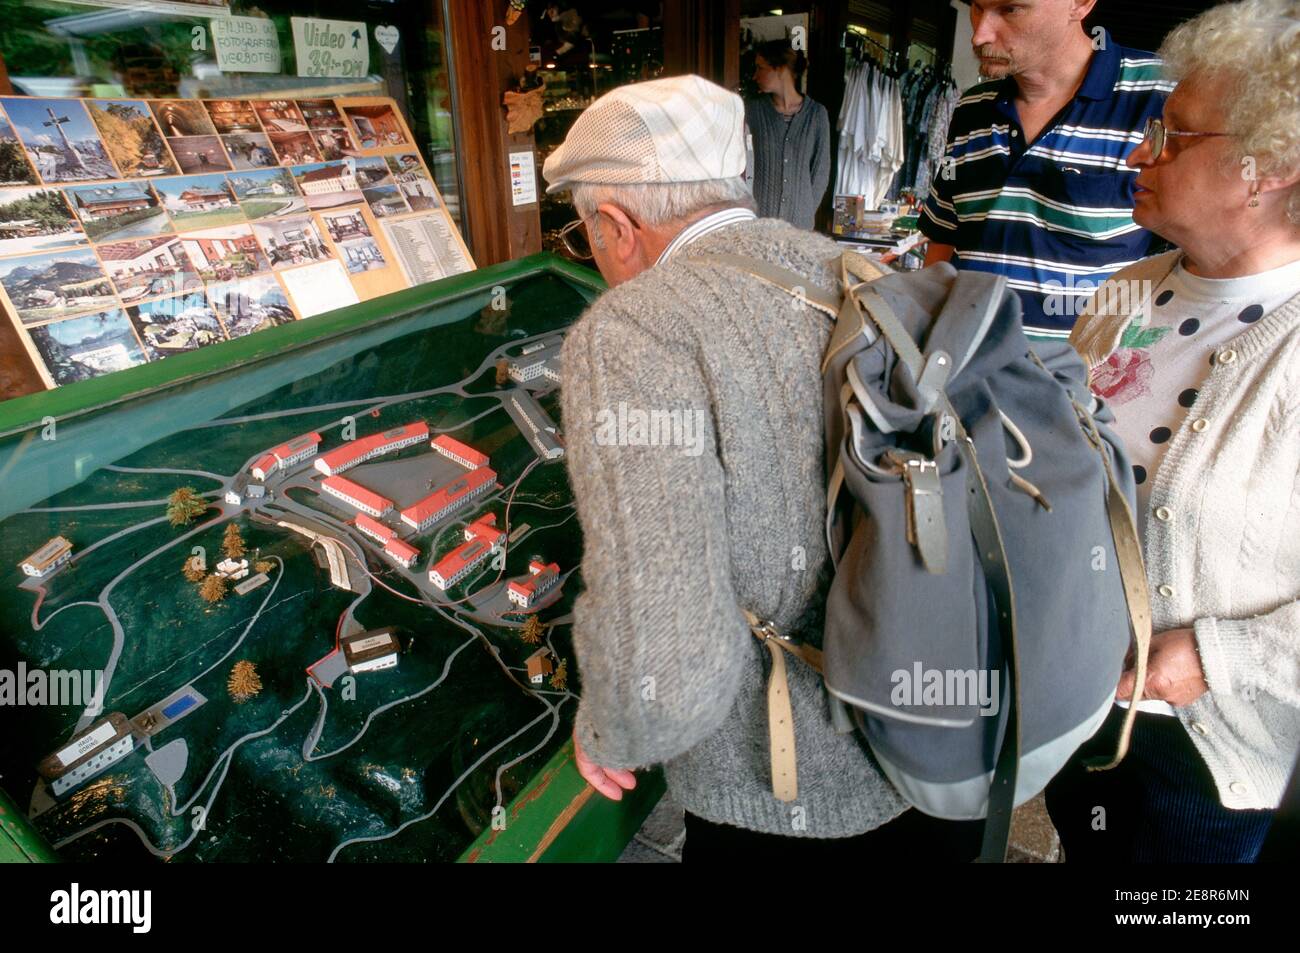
1255	45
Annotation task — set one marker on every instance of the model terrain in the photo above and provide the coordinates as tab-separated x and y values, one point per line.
329	625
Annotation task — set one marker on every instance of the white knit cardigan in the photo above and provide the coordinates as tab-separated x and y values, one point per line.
1223	537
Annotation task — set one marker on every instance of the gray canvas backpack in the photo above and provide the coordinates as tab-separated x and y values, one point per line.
988	576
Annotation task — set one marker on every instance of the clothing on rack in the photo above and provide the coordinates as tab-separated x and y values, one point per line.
872	135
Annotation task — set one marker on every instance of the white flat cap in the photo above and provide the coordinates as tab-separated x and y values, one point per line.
680	129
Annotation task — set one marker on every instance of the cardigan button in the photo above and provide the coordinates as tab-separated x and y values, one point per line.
1164	514
1236	787
1199	424
1200	728
1227	356
1166	590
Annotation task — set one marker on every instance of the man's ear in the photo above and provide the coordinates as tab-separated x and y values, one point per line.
622	235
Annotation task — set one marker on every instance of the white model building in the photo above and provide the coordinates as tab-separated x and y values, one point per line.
543	362
482	539
536	424
233	569
365	448
544	578
354	494
447	499
88	754
458	452
48	558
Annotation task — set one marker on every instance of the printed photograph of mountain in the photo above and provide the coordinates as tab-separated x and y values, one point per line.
60	139
45	287
81	348
36	220
132	138
14	168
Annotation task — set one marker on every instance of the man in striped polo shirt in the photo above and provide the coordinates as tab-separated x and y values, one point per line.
1033	185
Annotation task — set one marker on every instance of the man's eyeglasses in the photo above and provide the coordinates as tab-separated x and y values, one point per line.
576	240
1156	133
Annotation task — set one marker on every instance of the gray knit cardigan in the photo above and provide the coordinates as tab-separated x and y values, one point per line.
683	526
792	160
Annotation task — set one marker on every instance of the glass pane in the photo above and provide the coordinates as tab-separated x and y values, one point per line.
165	50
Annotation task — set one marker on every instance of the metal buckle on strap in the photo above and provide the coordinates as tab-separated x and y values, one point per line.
766	629
924	501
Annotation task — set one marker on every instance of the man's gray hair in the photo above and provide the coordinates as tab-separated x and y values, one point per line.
661	203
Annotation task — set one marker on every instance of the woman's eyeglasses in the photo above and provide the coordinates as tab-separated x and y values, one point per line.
1155	136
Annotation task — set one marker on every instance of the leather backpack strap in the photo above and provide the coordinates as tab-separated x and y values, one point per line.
780	712
788	281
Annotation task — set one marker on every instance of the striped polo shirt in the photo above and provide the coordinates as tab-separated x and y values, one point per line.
1055	218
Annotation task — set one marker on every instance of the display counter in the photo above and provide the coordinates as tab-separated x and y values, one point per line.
382	669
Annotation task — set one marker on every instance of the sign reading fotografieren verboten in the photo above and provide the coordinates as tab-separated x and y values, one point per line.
246	45
331	47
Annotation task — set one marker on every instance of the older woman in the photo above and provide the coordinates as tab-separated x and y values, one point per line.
1198	352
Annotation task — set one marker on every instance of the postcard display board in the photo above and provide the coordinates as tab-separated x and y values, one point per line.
131	230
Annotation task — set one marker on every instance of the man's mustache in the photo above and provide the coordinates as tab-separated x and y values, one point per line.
987	52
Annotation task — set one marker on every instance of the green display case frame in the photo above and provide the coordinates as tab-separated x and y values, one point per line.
557	817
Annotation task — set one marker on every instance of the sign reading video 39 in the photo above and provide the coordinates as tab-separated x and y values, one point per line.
331	47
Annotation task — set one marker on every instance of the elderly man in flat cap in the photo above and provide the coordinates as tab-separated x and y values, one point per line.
693	408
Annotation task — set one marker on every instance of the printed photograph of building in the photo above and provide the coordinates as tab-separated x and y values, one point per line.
197	154
376	126
249	150
55	285
329	184
294	148
416	187
345	225
290	241
250	305
113	212
360	255
181	117
199	201
36	219
267	192
60	140
174	325
148	268
385	200
224	254
321	113
81	348
232	115
334	143
133	139
14	167
279	115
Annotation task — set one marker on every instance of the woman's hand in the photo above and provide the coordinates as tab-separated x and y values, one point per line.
611	782
1174	671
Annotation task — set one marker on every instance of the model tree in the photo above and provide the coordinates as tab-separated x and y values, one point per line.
233	543
503	372
560	677
193	569
244	682
264	565
184	506
213	588
532	630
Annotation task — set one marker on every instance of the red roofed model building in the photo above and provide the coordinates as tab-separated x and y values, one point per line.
449	498
354	494
265	466
375	529
462	453
544	578
402	551
364	448
298	449
482	538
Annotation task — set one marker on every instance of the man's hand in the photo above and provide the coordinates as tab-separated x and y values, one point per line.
611	782
1174	671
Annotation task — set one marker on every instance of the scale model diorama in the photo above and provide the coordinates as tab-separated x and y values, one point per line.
331	624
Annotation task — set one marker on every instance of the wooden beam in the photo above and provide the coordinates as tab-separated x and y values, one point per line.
496	229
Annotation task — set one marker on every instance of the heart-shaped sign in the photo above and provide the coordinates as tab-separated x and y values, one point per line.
387	37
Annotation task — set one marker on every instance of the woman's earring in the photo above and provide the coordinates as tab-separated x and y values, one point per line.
1254	199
